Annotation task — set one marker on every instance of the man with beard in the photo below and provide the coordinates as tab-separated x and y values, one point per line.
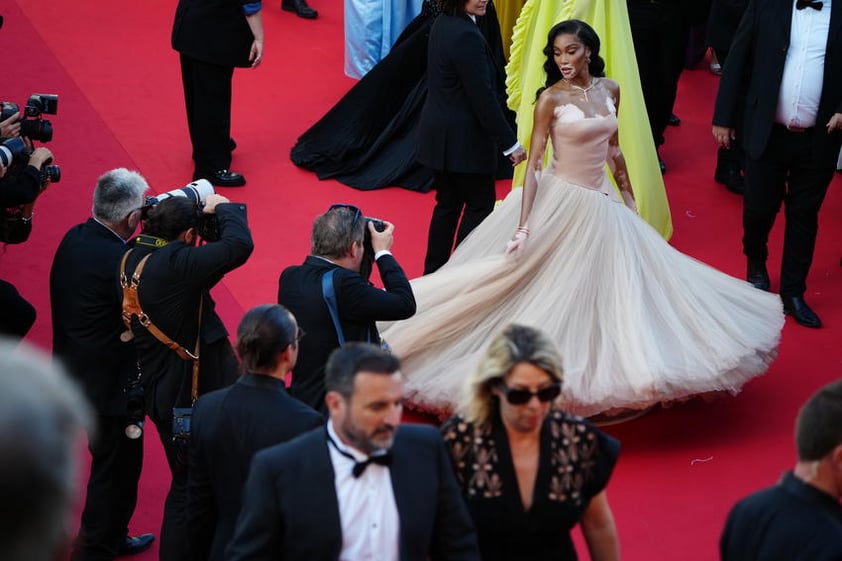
363	488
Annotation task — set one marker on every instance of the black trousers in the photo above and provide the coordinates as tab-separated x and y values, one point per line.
116	462
660	31
16	314
207	98
785	174
470	196
219	368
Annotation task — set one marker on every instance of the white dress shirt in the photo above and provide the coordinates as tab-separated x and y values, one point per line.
367	510
801	83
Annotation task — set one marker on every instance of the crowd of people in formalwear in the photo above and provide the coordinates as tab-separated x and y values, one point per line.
290	443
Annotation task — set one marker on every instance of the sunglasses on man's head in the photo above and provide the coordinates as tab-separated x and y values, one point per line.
357	212
521	397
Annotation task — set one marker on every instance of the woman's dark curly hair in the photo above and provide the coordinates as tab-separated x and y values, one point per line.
589	38
452	7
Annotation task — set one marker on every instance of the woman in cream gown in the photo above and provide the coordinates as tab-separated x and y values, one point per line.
525	74
637	322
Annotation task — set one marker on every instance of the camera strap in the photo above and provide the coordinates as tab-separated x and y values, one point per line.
131	308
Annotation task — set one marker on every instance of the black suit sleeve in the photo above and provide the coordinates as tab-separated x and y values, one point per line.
733	83
360	301
201	506
209	263
469	48
22	188
454	536
260	525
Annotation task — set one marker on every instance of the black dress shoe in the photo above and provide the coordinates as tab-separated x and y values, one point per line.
758	276
796	307
731	178
222	178
673	121
300	8
136	544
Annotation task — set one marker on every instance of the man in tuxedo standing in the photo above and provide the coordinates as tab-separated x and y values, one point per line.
212	38
231	424
800	518
784	63
85	301
364	487
462	128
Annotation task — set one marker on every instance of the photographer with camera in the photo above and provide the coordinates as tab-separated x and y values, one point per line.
173	277
85	301
338	254
24	174
28	170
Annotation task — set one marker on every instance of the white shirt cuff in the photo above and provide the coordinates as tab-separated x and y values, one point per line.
512	149
381	253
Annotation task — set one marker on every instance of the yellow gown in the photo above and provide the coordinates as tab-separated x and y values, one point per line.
525	74
507	14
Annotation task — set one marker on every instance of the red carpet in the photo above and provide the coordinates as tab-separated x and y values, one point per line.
121	105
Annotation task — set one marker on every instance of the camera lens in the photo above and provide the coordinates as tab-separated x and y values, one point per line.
135	430
53	173
37	129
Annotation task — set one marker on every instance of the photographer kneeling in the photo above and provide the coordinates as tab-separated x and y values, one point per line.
344	244
173	292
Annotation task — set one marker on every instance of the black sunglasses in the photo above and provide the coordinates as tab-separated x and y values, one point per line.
521	397
357	212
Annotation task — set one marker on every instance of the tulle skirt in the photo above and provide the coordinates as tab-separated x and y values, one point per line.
637	322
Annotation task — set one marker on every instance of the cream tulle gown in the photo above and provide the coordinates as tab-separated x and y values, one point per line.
637	322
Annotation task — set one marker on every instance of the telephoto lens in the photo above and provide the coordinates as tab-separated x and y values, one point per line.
10	149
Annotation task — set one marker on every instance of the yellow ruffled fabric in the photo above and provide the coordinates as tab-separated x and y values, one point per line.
525	74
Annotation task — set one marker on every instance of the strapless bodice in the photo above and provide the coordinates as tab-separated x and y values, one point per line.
580	145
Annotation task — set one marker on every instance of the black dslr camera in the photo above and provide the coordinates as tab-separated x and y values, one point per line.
197	191
32	125
368	251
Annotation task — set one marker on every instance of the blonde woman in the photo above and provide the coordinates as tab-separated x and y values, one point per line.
528	471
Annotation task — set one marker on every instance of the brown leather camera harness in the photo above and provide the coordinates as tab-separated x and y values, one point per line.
132	308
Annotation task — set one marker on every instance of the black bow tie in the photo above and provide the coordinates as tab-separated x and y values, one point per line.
801	4
381	459
384	459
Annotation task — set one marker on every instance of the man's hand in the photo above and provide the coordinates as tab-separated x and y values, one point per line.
382	241
211	201
835	123
517	156
256	54
40	156
723	136
10	127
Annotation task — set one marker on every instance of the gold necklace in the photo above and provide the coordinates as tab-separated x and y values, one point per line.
584	90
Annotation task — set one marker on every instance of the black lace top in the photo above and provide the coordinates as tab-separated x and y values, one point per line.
576	461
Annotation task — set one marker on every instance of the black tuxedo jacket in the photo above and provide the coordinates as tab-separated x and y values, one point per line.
213	31
723	20
755	66
462	126
86	305
290	510
229	427
360	305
